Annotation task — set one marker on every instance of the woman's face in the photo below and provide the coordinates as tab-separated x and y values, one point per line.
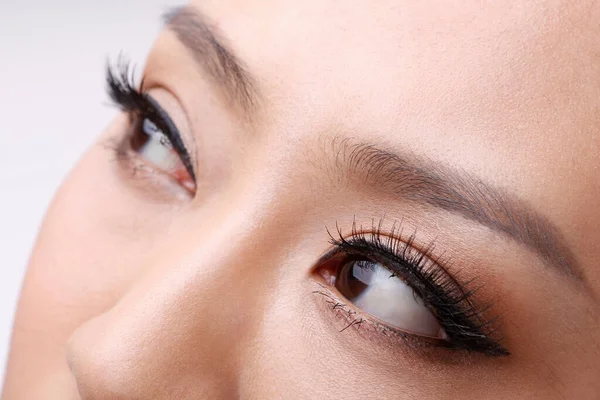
387	200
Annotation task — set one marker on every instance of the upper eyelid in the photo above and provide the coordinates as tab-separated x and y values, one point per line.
408	254
152	83
191	158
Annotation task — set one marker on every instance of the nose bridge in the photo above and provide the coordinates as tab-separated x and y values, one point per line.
180	325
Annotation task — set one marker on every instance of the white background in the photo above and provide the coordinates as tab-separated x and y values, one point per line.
52	105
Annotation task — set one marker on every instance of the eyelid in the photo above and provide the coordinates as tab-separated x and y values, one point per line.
354	317
158	109
459	316
174	117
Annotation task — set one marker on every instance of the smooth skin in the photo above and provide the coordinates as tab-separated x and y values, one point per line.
137	291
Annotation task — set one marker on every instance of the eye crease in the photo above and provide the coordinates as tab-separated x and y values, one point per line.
404	290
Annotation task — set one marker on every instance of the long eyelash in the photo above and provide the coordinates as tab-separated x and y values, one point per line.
440	291
121	88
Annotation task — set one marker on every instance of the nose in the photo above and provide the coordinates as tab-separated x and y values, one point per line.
177	331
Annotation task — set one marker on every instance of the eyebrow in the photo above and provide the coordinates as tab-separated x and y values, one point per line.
210	49
427	182
405	176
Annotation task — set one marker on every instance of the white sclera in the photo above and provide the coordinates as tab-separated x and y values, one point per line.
158	148
389	299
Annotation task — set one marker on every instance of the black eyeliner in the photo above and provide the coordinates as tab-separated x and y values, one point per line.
122	92
168	127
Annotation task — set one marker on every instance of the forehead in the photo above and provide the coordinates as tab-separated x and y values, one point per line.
507	91
497	70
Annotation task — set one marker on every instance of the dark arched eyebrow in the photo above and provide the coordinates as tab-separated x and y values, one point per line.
422	181
431	183
210	49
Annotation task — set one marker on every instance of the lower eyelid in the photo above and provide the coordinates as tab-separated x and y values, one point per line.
155	156
351	319
142	176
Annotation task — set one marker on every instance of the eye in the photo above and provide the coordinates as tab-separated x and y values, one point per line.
371	287
398	286
154	137
154	146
